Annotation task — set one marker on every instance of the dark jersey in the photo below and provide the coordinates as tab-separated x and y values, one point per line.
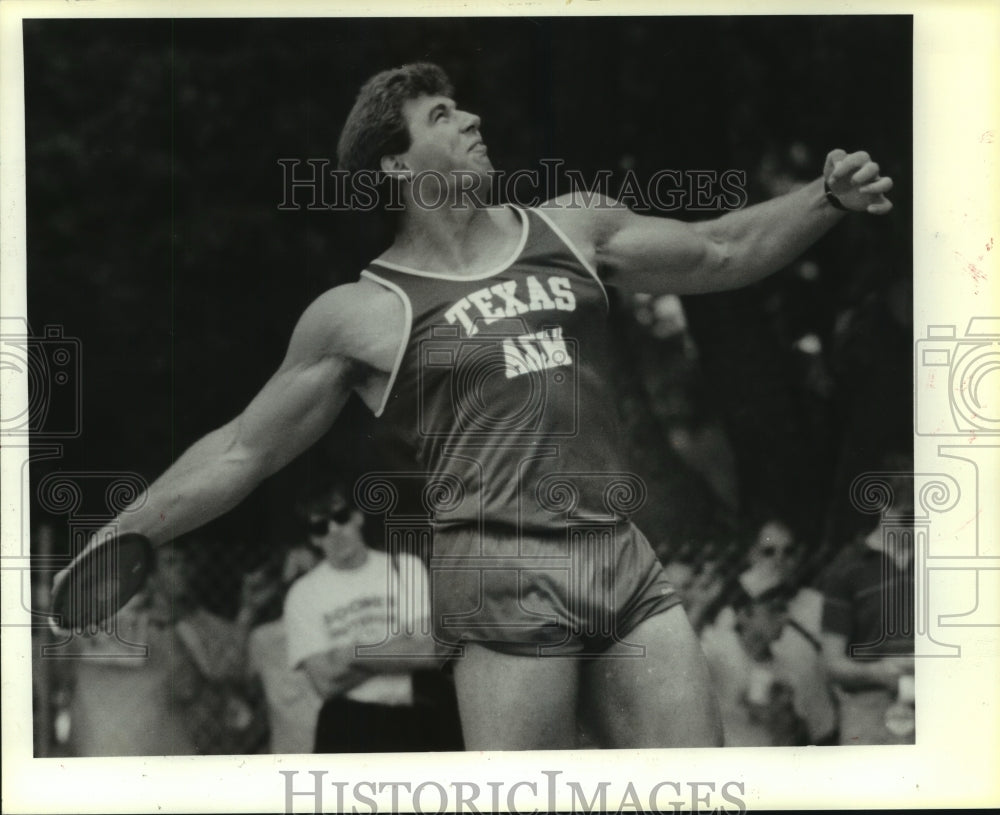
500	390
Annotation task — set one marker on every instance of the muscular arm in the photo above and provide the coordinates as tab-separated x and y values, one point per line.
657	255
661	255
293	409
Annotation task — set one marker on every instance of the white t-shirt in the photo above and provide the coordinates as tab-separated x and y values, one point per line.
336	608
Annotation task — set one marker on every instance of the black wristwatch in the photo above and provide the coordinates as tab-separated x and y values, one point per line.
833	199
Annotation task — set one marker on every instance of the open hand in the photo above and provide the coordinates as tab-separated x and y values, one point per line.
854	179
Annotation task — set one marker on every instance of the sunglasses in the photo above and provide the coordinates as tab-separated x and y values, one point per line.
320	526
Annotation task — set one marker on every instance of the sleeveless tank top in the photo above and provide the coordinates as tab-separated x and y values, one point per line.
500	397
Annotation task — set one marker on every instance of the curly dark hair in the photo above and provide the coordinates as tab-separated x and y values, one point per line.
375	127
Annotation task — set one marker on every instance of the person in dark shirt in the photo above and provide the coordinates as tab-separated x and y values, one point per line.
867	634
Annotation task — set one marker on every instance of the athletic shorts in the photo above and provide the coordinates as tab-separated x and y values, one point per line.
569	595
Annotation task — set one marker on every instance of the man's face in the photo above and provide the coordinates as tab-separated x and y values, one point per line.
443	138
337	532
775	549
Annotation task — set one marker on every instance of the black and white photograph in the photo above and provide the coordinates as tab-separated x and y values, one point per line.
388	399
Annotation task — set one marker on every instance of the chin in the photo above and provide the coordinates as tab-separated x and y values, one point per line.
483	171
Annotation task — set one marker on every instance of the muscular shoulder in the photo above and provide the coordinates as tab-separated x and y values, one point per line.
588	219
344	311
352	321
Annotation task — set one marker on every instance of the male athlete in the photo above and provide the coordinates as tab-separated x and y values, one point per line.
479	338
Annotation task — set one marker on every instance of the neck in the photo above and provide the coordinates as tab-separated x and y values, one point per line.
447	238
355	560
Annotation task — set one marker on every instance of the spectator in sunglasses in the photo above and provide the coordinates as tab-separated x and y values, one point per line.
794	652
358	626
755	695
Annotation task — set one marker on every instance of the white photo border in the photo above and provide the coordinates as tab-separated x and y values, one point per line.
956	217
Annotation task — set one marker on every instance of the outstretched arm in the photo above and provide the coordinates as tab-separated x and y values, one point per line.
660	255
296	406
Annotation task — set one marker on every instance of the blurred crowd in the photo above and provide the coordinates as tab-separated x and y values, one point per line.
329	651
800	662
796	658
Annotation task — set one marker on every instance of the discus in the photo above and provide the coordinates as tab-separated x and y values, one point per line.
100	581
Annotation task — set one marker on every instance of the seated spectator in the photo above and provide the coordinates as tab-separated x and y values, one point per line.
755	696
793	654
167	681
775	555
868	633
